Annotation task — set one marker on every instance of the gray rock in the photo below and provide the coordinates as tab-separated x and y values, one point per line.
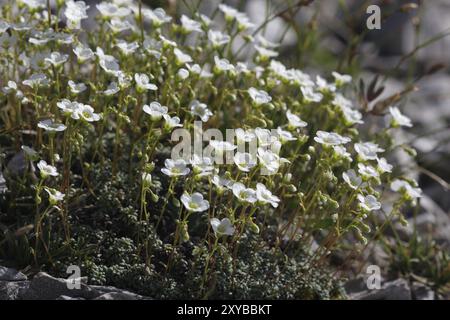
69	298
13	290
113	293
118	296
394	290
9	274
422	292
46	287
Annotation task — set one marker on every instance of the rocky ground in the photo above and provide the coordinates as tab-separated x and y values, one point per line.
14	285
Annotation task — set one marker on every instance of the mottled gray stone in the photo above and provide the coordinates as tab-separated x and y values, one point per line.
422	292
9	274
46	287
13	290
394	290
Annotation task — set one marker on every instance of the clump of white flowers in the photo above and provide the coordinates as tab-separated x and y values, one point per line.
120	94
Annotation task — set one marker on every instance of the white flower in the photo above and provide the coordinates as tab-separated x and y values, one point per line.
352	179
87	113
383	165
183	74
76	88
221	182
75	12
83	53
265	137
228	11
172	122
309	95
369	202
112	89
404	187
70	108
243	136
158	16
367	171
194	202
341	151
127	48
284	135
155	110
109	10
119	25
217	38
182	58
323	85
56	58
222	227
190	25
266	53
49	125
398	119
244	194
368	150
108	62
341	78
269	160
54	195
222	146
223	64
352	116
143	82
294	120
259	96
264	195
36	80
266	43
203	166
175	168
330	138
244	161
201	110
46	169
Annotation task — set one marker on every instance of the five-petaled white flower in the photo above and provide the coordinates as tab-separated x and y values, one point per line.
264	195
194	202
330	138
201	110
46	169
222	227
175	168
172	122
155	110
368	150
54	195
244	161
259	97
243	193
49	125
294	120
56	58
369	202
406	188
217	38
189	25
143	82
399	119
76	88
352	179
